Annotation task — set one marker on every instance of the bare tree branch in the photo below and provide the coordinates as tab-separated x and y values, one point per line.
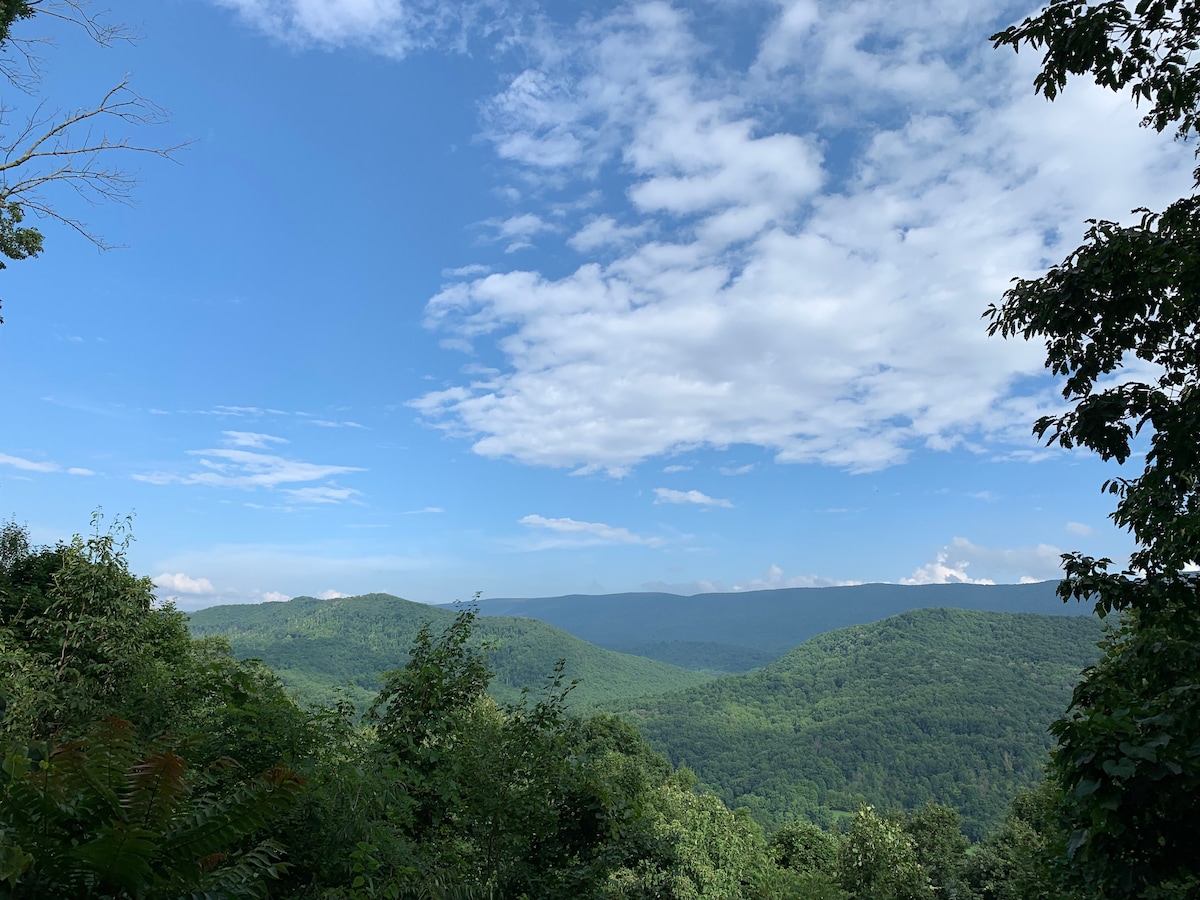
45	150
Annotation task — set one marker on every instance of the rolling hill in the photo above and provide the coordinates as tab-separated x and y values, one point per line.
318	645
947	704
737	632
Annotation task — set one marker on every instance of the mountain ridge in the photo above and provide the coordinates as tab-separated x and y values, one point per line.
726	632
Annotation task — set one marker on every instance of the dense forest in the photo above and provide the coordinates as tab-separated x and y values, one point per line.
143	762
949	705
938	704
322	647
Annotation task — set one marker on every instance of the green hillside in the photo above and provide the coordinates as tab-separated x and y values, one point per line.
319	645
737	632
947	704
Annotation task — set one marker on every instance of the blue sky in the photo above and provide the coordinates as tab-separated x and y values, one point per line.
531	299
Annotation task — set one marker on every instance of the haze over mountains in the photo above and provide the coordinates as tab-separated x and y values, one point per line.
736	632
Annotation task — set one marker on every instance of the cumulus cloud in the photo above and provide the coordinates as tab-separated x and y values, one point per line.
667	495
746	289
574	533
1080	529
180	583
331	595
1042	562
275	597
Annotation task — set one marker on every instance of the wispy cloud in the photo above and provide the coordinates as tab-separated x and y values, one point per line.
577	534
321	494
252	439
43	466
423	511
392	28
518	231
330	423
737	470
28	465
233	467
667	495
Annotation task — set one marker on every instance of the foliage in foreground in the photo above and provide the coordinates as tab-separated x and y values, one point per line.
1127	765
141	763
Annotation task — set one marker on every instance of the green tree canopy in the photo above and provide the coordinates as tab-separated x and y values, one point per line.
1126	762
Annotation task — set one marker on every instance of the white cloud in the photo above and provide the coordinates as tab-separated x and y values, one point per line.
737	470
275	597
249	470
670	470
76	470
604	231
331	595
1080	529
183	584
251	439
323	494
577	534
1042	562
775	578
667	495
823	308
242	468
519	230
423	511
941	571
28	465
393	28
468	271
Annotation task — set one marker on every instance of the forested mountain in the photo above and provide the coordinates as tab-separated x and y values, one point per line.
947	704
736	632
319	645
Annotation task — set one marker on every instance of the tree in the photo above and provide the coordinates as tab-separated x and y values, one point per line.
941	846
523	799
82	638
1129	293
46	152
133	761
879	860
